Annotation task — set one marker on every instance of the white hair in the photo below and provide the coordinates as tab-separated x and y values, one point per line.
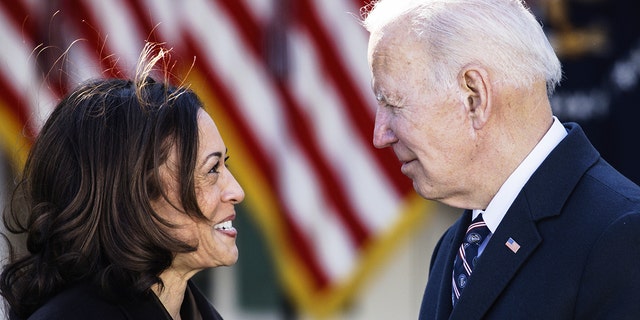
502	35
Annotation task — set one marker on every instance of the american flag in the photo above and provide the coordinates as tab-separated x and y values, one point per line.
288	85
512	245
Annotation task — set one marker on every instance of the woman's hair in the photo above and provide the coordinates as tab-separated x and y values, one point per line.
502	35
87	189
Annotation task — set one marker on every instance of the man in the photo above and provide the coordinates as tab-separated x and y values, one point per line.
463	89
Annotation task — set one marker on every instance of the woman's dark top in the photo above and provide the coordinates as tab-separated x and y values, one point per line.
84	301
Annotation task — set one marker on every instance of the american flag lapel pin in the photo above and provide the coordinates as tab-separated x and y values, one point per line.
513	245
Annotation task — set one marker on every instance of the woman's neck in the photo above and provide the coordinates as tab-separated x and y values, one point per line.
172	294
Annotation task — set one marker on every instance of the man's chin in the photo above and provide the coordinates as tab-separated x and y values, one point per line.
420	191
426	191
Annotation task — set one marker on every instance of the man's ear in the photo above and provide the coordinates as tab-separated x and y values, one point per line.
476	90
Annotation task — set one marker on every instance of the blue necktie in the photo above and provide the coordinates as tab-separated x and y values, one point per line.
467	256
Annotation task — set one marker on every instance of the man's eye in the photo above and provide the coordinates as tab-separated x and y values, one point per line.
392	108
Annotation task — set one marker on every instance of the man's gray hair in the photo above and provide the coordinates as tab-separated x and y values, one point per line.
502	35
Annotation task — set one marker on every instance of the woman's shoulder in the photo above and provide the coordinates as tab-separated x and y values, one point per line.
86	301
81	301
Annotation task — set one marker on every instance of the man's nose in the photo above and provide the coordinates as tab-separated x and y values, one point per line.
383	135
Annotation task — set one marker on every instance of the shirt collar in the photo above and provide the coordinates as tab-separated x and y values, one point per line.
510	189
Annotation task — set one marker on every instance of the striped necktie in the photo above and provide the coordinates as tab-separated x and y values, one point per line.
467	256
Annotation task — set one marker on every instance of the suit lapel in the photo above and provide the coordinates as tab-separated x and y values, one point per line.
535	202
444	300
490	279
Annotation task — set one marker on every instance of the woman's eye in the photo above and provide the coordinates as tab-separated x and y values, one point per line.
216	167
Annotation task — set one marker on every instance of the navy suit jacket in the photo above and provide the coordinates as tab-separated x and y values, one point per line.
577	221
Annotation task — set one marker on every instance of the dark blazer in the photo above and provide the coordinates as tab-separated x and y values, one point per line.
577	221
84	301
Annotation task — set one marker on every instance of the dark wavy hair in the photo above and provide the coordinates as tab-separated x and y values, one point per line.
87	188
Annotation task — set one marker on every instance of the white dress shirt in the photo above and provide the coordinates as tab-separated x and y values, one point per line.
497	208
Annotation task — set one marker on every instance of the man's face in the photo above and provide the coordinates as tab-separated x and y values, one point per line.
424	122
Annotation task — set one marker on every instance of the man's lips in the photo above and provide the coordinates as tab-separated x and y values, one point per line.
405	165
407	161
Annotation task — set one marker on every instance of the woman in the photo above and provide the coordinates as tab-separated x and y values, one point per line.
127	197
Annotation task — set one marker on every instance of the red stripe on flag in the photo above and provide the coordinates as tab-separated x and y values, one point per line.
89	27
144	20
26	23
20	17
356	107
300	125
17	105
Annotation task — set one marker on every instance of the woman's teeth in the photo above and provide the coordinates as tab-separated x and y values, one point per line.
224	225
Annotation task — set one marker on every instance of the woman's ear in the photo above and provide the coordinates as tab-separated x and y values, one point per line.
476	89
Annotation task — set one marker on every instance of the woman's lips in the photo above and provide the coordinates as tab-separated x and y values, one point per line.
226	227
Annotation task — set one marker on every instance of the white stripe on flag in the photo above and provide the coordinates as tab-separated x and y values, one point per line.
340	19
315	217
118	27
242	74
350	159
17	67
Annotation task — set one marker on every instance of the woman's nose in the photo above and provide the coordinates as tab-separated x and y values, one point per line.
234	192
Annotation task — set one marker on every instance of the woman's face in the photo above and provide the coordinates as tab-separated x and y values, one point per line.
217	192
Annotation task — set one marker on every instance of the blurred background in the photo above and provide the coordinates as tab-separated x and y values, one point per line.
329	228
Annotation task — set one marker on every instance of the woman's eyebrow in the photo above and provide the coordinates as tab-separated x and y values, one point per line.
213	154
